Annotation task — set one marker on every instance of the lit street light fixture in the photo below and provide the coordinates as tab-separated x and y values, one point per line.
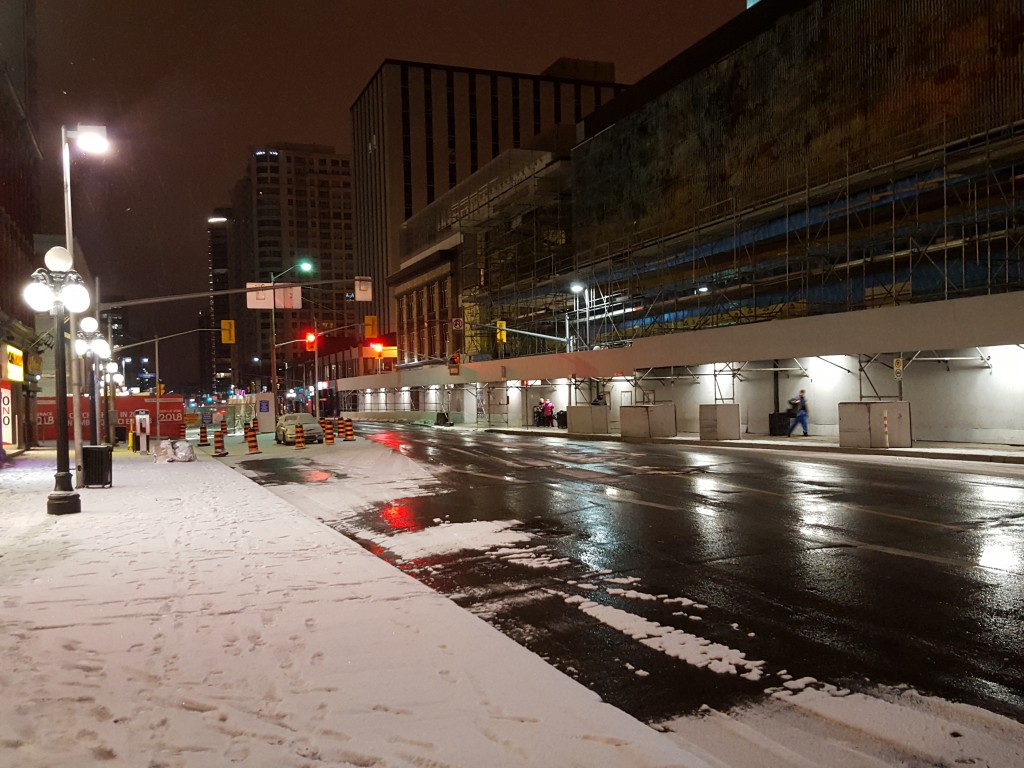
91	345
93	140
304	266
54	289
578	288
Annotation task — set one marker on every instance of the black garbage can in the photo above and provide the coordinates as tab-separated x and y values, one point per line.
97	466
562	419
778	424
441	419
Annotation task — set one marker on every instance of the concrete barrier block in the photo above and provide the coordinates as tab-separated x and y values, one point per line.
720	421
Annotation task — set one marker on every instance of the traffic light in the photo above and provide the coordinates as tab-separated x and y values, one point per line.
227	331
159	390
502	333
310	341
377	347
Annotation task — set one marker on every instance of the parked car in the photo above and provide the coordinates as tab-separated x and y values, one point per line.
311	430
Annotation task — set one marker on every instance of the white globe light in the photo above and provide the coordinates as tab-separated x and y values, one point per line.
81	347
118	379
75	297
88	324
39	296
101	348
112	367
58	259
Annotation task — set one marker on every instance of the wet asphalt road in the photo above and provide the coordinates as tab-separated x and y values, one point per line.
852	572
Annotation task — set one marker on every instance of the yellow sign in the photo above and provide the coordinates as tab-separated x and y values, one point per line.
14	363
227	331
369	326
502	333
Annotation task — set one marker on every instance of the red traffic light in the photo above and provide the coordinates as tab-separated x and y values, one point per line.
310	341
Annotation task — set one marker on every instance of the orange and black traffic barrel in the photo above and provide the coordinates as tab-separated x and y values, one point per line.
300	436
204	439
250	439
349	433
218	444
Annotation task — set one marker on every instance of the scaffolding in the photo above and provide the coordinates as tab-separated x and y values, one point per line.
936	223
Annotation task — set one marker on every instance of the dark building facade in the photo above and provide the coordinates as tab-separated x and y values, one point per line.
419	129
20	346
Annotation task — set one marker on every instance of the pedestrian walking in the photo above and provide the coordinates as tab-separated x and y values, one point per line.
798	405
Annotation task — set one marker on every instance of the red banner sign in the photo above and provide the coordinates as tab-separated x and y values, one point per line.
172	414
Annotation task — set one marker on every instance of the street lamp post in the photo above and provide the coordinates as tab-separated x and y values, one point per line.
91	345
91	139
57	288
110	387
304	266
578	288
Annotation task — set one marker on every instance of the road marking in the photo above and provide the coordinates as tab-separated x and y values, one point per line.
865	510
504	478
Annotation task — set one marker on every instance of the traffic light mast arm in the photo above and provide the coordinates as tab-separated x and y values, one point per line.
493	327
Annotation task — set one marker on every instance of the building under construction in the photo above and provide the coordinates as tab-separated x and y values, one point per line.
806	158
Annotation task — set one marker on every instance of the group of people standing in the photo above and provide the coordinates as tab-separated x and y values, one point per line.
544	413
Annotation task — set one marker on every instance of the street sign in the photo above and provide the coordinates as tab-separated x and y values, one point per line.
453	369
897	367
458	324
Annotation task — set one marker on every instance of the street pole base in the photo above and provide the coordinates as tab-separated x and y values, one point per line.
62	503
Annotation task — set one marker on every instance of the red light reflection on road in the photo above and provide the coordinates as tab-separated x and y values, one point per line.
400	517
391	440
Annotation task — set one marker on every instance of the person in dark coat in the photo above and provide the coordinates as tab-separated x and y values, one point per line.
799	406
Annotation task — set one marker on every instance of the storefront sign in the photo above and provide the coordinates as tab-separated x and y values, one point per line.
6	413
14	363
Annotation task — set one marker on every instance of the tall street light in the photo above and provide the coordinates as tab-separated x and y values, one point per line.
54	289
304	266
91	139
578	288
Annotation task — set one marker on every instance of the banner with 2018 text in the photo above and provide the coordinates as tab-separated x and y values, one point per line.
171	408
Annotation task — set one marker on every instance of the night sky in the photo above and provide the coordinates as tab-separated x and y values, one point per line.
186	87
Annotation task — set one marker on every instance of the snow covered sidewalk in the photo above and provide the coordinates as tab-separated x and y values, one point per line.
189	617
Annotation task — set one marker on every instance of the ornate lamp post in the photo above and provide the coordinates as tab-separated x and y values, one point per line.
91	345
305	266
113	380
55	288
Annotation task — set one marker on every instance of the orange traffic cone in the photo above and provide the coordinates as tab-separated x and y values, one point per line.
218	444
203	437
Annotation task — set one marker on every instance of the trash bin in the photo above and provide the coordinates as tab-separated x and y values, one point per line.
562	419
97	466
441	420
778	424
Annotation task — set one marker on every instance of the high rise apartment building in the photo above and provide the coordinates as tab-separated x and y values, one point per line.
294	203
419	129
219	361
